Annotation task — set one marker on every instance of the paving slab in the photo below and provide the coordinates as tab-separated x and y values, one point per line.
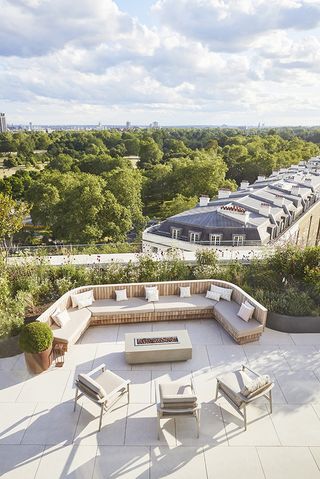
299	387
112	355
14	419
233	462
142	427
296	425
113	425
127	462
301	358
260	429
100	334
177	463
19	462
288	462
11	384
47	386
52	423
212	429
67	462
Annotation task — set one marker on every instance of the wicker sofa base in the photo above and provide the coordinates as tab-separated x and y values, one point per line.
148	317
248	338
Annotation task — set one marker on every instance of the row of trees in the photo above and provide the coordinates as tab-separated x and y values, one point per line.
89	191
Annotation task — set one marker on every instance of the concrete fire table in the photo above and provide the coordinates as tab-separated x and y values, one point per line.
157	346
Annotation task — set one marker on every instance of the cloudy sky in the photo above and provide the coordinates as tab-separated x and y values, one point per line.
172	61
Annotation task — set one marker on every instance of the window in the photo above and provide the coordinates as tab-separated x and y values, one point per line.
215	239
194	237
175	233
238	240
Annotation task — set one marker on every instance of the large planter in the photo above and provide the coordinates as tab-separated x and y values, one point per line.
39	362
293	324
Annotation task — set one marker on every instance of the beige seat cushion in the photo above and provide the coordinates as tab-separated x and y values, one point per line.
72	330
91	384
233	383
110	381
133	305
229	311
175	303
177	395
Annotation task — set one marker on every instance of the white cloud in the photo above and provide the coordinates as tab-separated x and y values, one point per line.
213	61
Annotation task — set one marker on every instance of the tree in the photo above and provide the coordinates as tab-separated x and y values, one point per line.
12	214
132	146
178	204
78	207
61	163
150	153
126	185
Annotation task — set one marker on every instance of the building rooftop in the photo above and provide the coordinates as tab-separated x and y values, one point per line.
41	436
259	212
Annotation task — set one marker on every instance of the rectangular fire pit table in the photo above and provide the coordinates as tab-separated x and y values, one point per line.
157	346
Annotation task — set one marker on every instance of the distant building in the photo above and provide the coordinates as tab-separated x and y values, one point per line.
283	208
154	124
3	123
128	125
133	160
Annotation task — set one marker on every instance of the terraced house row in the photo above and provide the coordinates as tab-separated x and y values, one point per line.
281	208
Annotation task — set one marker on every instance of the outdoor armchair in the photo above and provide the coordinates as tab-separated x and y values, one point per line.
177	399
104	388
243	386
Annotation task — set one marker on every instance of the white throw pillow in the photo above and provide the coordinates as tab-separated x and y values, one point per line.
185	292
121	295
255	385
252	308
60	317
244	312
149	289
85	299
213	295
153	295
225	293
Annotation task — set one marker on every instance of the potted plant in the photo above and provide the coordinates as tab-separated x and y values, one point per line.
36	342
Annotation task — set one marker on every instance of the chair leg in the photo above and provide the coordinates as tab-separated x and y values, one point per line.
217	391
270	401
75	400
245	417
159	426
101	414
198	423
128	390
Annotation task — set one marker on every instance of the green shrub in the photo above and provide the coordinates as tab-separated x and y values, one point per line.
12	315
291	302
35	337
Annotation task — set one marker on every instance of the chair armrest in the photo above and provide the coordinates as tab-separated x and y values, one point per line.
102	367
263	393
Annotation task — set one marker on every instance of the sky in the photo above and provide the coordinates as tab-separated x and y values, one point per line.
178	62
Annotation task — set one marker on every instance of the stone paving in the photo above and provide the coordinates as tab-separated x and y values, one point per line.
41	436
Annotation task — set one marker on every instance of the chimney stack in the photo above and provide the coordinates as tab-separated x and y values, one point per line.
204	200
265	209
223	193
244	185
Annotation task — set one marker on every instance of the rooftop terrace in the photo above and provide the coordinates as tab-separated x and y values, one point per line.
41	436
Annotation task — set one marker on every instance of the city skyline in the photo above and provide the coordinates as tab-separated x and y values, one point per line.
182	62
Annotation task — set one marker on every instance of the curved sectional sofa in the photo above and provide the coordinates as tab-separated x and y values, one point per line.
106	310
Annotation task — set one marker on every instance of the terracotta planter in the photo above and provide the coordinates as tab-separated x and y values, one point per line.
39	362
